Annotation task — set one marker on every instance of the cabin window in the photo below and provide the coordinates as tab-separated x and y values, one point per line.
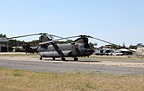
81	46
44	46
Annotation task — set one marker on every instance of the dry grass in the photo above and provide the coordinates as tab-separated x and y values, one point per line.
117	57
15	80
19	55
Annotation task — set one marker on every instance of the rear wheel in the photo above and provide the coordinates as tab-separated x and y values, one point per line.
75	59
53	58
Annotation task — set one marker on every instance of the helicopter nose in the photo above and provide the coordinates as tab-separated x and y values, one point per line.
90	51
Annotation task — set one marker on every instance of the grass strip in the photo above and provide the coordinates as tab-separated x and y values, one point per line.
19	80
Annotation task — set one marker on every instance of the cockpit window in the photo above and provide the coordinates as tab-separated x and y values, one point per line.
84	41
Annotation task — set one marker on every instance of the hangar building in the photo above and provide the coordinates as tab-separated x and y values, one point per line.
3	44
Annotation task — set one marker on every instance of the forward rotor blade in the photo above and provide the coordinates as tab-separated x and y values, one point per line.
55	36
46	42
102	40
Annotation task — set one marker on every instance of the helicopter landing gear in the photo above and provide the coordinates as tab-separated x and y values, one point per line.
41	58
63	59
75	59
53	58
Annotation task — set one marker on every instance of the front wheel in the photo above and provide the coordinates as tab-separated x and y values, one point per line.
63	59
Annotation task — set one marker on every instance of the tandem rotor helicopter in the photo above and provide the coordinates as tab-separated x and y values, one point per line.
48	47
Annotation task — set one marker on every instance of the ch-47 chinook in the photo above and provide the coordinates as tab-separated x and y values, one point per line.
48	47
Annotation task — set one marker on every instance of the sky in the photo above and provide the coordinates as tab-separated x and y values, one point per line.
118	21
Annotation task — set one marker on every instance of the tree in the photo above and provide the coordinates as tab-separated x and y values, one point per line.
2	35
132	47
91	44
33	43
16	43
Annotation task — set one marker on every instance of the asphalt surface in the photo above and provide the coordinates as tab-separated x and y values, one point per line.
91	65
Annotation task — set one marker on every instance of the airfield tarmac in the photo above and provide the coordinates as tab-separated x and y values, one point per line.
120	65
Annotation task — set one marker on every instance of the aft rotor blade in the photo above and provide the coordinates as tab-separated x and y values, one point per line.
25	36
102	40
34	35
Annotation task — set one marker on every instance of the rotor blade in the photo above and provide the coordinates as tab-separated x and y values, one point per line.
46	42
68	37
34	35
55	36
102	40
25	36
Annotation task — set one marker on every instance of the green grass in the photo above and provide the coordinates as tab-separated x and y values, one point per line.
17	80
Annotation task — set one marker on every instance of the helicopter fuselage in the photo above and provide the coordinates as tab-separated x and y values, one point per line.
67	50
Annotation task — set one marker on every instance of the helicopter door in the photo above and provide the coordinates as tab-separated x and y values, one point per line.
75	50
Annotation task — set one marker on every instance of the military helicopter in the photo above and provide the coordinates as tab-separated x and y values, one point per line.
48	47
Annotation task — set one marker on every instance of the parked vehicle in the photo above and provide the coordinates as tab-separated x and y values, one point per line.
117	53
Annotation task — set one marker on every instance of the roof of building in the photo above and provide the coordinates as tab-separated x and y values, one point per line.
124	50
4	40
